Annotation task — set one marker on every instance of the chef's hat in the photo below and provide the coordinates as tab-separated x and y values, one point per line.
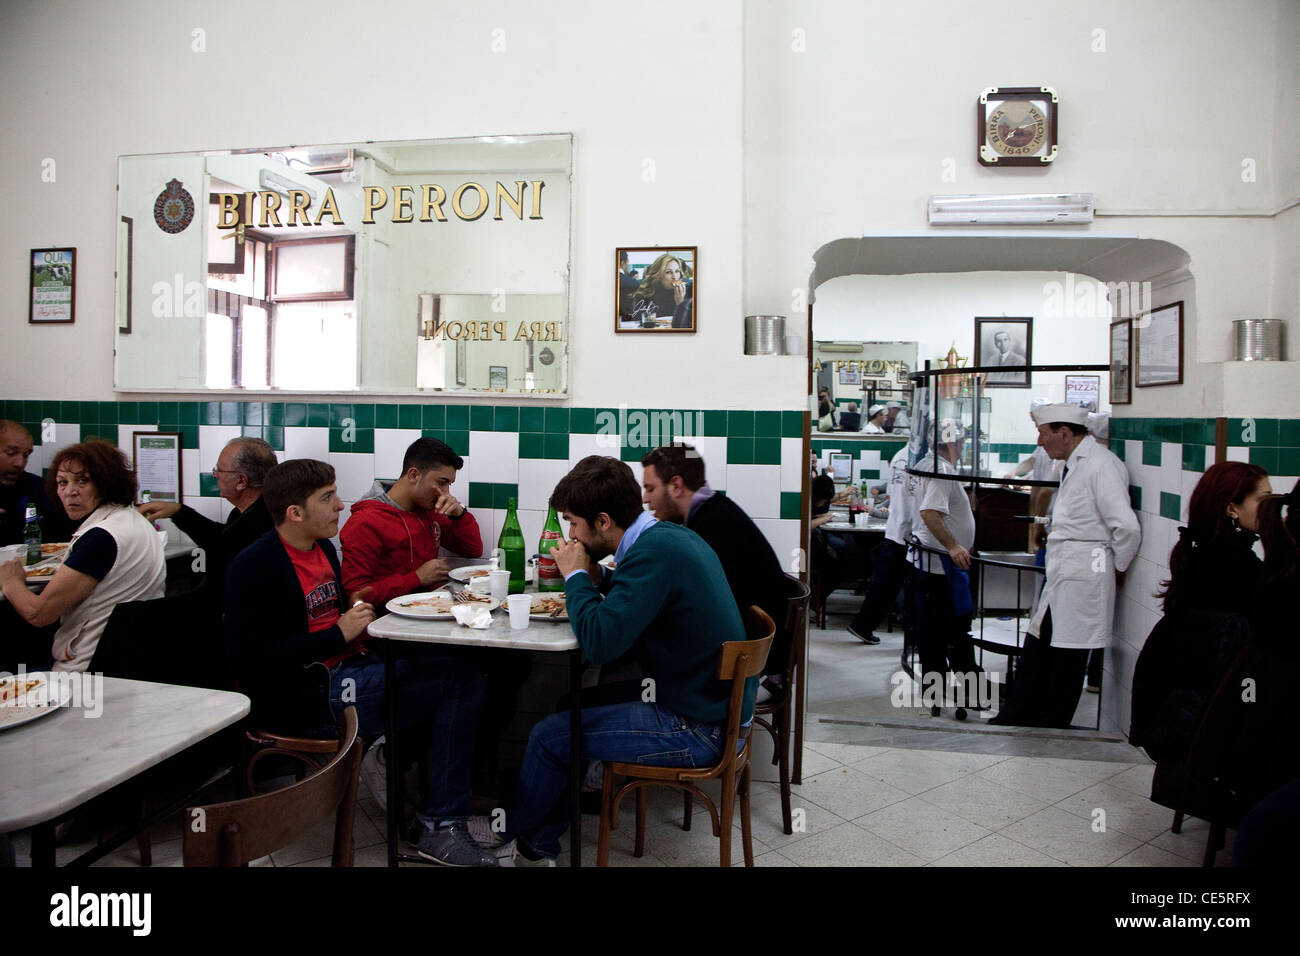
1049	414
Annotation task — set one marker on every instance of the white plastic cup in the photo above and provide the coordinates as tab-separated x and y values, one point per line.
520	606
499	585
11	551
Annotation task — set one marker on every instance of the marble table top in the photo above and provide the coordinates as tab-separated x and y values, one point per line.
873	524
538	636
120	729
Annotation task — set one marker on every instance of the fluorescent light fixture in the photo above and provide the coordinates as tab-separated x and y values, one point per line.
839	347
281	184
1021	209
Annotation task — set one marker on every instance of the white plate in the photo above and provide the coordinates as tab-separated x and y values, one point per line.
544	615
469	572
41	699
406	606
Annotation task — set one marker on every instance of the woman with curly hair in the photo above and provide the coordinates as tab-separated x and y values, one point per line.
115	554
667	290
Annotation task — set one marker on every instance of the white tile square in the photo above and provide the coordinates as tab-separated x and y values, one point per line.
354	473
783	536
213	438
190	472
390	448
794	464
1238	453
298	443
205	506
124	433
713	449
582	446
756	488
1171	466
496	456
537	479
1188	482
61	437
531	521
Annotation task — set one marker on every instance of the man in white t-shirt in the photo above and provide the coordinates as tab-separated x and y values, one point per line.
944	522
889	558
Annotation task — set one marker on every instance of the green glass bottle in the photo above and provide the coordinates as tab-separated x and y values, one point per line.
511	544
548	573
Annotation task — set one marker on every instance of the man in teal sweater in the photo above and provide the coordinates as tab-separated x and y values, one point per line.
670	597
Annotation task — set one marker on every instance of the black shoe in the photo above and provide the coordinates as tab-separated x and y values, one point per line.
961	713
869	638
934	710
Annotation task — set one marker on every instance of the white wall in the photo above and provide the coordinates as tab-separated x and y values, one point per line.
937	309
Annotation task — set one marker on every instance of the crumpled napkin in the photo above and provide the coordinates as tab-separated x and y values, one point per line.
472	615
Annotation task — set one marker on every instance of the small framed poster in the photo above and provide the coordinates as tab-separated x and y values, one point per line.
1158	346
497	377
1083	390
850	376
1121	361
53	286
156	458
655	288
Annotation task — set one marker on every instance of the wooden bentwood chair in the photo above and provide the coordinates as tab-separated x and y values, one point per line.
233	833
740	660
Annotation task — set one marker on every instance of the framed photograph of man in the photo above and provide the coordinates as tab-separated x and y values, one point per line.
655	288
1121	362
1000	343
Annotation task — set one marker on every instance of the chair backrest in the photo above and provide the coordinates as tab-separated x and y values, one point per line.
796	622
231	834
169	640
741	660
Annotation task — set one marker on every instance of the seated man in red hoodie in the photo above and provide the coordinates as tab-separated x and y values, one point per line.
391	541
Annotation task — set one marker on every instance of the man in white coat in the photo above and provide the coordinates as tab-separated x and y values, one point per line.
1093	533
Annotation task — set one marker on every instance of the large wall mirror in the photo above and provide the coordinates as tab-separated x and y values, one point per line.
389	268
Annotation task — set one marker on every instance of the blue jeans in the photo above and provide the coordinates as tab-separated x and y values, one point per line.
439	692
633	733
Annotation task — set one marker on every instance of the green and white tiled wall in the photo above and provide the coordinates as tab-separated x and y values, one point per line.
755	457
1165	458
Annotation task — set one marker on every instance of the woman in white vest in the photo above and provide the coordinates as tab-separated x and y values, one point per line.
115	555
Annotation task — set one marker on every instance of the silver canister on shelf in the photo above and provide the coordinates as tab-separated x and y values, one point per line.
1257	340
765	335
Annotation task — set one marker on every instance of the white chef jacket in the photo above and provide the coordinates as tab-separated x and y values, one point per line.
870	428
1093	533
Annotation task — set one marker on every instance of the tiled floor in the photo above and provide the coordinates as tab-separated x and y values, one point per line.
882	786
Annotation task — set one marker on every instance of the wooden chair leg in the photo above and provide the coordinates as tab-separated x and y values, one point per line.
606	816
745	834
1178	822
1213	844
783	764
728	812
640	822
688	809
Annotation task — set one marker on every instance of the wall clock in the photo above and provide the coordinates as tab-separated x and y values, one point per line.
1017	126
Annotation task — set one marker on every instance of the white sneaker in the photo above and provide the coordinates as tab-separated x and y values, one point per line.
480	828
374	773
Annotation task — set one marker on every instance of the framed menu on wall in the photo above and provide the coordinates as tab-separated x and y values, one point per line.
157	462
1121	360
1158	346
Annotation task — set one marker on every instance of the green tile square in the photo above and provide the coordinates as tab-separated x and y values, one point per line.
1135	497
1170	429
1236	428
1266	431
208	485
339	412
273	413
295	414
336	441
792	424
480	494
582	421
532	419
632	454
791	504
1170	505
740	423
189	436
481	417
126	413
532	445
362	440
108	413
1288	433
231	413
1193	457
557	447
386	416
365	442
1117	446
253	413
187	413
1196	432
1288	465
715	423
740	450
553	420
209	413
148	412
52	409
251	431
1151	453
13	408
318	415
275	436
606	421
1266	458
410	416
767	424
506	419
457	417
364	414
433	416
87	413
438	434
458	439
69	413
502	493
767	451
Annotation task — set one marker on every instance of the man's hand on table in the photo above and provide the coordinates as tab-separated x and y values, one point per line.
433	571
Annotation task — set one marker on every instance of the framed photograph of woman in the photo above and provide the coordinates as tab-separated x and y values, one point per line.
1004	343
1121	362
654	288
